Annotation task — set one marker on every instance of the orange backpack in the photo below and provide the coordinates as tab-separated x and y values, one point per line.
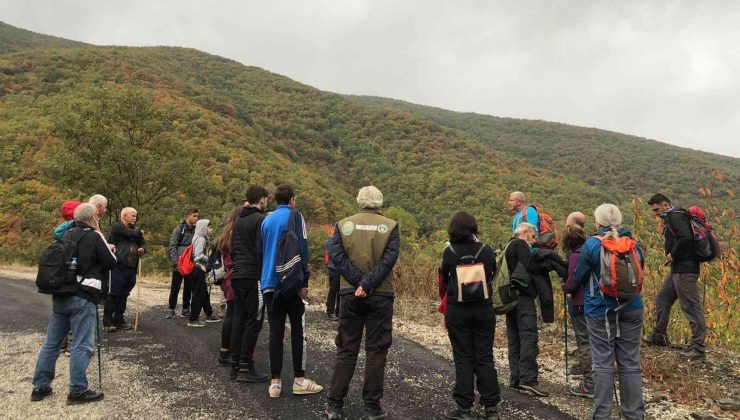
185	264
621	273
549	237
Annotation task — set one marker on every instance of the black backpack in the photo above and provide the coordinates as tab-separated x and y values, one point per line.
288	260
57	273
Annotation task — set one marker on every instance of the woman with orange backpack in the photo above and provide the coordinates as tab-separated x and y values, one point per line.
614	310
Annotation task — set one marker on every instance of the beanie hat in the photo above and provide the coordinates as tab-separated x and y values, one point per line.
68	209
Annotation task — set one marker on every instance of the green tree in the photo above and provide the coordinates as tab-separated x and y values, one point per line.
119	143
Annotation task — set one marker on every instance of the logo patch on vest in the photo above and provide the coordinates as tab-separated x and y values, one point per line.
348	228
382	228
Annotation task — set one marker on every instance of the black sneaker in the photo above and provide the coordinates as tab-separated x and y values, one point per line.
693	354
375	413
170	314
196	324
251	376
654	341
233	373
333	413
535	389
491	413
459	414
212	319
39	394
84	397
185	313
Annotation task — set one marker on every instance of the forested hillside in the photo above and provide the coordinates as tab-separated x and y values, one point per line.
625	166
165	128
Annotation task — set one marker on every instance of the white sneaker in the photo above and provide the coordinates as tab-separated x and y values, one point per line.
307	387
275	390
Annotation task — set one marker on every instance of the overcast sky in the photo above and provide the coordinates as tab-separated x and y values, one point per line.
667	70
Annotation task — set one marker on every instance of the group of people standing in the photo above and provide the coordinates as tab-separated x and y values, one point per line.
361	255
106	269
363	251
608	331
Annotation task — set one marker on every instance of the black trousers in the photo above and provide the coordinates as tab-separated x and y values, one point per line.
177	280
277	310
374	314
113	310
226	328
521	330
471	328
200	294
332	299
248	320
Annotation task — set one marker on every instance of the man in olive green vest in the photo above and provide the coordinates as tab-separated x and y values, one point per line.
364	250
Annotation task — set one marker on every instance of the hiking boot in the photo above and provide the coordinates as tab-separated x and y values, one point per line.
84	397
125	326
307	387
110	328
332	317
578	370
582	390
170	314
375	413
491	413
693	354
274	390
333	413
212	319
185	313
459	414
196	323
233	373
39	394
535	389
654	341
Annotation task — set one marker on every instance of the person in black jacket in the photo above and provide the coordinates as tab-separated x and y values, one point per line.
681	282
181	237
470	325
521	322
130	246
246	259
77	313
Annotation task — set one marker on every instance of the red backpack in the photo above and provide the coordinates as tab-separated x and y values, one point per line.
706	243
549	237
185	264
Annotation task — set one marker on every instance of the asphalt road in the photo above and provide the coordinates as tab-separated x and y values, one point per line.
177	358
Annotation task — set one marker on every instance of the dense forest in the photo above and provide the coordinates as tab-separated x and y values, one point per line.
163	128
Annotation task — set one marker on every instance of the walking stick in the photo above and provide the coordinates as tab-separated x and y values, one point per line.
565	334
138	297
97	339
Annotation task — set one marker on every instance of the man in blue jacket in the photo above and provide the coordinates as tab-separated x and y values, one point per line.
280	306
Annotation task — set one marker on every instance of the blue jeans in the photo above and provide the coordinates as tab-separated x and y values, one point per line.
77	314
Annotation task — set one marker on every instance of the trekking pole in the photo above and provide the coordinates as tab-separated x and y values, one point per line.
565	334
97	339
138	297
